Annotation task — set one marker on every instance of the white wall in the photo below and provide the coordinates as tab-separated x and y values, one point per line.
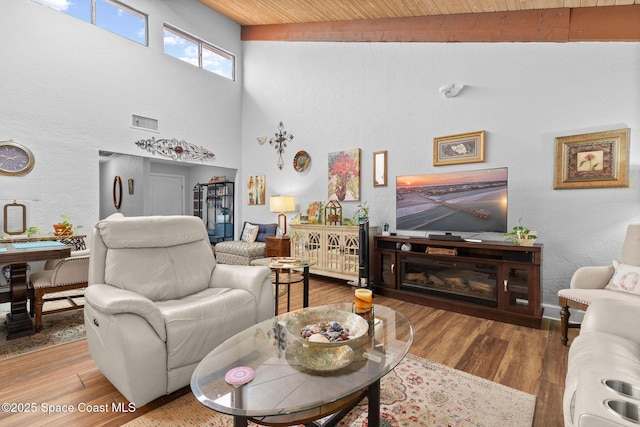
69	89
384	96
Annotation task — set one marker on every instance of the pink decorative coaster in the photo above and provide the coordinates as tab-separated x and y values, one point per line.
239	376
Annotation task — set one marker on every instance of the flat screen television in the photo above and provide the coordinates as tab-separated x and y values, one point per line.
464	201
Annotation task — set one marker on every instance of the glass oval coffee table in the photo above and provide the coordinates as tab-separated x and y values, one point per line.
285	391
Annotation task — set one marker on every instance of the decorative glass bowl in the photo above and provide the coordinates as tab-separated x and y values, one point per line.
330	355
297	321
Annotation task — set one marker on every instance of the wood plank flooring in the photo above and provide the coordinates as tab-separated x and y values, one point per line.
531	360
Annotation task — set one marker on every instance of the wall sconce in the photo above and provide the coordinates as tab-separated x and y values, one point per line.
282	204
279	142
451	90
15	188
261	139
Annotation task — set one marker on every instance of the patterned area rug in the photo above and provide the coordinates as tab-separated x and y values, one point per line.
417	393
57	328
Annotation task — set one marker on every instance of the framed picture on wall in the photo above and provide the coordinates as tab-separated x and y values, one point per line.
458	149
256	185
592	160
344	175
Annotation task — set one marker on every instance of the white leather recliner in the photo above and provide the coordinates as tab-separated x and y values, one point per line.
157	302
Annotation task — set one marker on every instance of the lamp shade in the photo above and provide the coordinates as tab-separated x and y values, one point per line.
18	188
282	204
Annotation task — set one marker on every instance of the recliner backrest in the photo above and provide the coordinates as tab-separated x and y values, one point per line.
159	257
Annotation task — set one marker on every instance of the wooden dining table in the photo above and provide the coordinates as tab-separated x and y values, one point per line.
17	255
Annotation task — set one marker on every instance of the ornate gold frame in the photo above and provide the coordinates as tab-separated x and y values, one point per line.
459	149
592	160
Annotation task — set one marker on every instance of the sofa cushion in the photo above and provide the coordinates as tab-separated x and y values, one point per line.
626	278
245	249
249	233
264	230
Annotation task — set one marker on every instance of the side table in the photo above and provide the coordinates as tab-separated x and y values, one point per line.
277	266
277	247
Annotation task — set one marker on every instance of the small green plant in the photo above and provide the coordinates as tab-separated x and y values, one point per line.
33	231
66	220
520	234
362	212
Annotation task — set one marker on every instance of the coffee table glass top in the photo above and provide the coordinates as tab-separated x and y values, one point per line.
281	383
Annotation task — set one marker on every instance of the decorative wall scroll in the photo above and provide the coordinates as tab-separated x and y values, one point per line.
592	160
177	150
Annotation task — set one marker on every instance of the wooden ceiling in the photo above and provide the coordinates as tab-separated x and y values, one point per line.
269	12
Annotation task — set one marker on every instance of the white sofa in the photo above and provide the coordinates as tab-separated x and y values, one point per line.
157	302
608	348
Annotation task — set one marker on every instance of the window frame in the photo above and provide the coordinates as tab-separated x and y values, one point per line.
125	8
200	43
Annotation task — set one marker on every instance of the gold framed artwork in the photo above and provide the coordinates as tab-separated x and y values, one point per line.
458	149
256	185
592	160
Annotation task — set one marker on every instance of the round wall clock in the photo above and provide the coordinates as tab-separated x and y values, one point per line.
15	159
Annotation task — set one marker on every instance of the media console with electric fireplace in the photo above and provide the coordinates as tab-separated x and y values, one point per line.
493	280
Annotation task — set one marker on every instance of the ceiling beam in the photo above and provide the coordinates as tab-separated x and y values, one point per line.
619	23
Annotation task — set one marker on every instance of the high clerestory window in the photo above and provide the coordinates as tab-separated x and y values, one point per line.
110	15
198	52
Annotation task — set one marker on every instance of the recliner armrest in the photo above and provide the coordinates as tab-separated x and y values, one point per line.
615	317
111	300
591	277
248	277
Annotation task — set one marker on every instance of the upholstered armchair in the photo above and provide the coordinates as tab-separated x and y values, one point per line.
58	276
621	281
248	248
158	302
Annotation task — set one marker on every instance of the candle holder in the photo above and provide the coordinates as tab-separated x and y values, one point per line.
363	307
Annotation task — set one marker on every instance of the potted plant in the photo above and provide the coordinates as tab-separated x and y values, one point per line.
33	231
64	227
521	235
362	213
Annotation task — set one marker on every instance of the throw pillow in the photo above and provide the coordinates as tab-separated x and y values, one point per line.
626	278
249	233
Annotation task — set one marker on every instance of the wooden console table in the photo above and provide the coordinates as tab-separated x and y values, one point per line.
19	321
76	240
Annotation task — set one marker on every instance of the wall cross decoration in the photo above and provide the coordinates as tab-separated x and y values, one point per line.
279	142
177	150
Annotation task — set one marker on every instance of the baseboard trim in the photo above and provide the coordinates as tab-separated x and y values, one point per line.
553	312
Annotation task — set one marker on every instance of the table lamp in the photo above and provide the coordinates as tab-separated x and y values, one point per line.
282	204
18	188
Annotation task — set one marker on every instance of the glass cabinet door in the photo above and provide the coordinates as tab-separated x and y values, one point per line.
518	296
386	275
